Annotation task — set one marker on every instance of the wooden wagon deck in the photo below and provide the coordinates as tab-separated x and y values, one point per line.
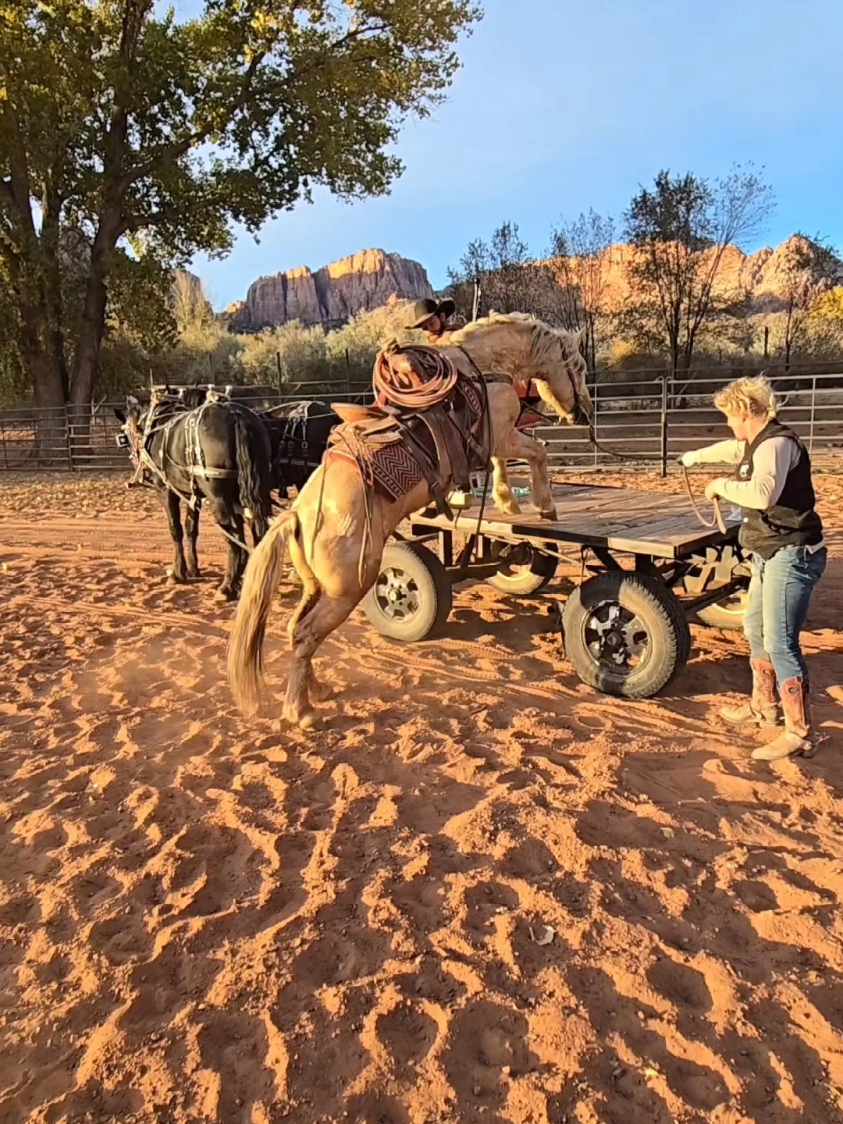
618	519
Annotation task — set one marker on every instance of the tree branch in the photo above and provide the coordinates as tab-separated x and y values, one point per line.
175	150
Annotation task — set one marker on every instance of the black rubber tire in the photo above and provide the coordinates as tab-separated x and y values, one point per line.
719	615
528	579
420	573
668	637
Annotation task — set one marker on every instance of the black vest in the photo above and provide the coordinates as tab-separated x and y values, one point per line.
791	521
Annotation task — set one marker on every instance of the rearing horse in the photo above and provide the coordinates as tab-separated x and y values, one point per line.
338	526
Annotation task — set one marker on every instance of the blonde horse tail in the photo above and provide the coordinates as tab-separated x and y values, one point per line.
263	573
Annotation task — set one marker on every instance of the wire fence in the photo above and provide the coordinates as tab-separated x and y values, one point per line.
643	423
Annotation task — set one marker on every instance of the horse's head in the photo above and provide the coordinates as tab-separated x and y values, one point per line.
132	422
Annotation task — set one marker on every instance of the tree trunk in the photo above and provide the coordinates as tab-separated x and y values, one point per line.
93	317
50	428
87	354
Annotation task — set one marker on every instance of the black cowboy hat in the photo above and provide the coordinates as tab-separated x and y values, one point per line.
423	310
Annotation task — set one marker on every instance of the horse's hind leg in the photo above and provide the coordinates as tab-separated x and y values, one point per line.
232	523
316	618
192	523
172	505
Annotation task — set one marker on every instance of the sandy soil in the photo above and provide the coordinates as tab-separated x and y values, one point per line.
202	920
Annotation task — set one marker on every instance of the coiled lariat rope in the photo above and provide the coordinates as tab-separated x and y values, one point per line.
397	378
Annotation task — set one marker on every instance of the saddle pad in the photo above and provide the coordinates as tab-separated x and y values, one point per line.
391	468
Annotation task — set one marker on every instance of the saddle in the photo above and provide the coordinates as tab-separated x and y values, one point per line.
428	422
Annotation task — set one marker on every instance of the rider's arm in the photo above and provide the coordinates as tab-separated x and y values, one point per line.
771	462
723	452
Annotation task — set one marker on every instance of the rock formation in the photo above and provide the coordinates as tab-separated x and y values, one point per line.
331	295
762	277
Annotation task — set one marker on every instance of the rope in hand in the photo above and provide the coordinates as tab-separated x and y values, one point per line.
717	521
397	378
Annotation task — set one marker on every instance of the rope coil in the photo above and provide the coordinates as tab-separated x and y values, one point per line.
415	378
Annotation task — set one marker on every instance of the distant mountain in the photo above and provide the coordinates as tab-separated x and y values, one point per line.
332	294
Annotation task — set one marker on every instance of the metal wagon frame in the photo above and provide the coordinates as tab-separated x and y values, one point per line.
646	567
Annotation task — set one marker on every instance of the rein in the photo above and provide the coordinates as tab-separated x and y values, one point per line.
717	521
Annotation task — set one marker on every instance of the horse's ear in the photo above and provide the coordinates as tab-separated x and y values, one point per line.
120	415
132	401
580	337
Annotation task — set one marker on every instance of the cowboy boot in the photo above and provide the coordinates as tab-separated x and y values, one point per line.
763	706
797	739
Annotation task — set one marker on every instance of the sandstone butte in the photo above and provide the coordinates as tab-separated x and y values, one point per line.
373	278
333	293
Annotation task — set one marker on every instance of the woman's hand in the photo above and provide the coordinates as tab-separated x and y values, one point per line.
714	489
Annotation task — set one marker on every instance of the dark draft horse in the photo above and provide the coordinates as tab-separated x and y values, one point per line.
195	449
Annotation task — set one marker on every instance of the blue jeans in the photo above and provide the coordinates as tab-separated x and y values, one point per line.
779	593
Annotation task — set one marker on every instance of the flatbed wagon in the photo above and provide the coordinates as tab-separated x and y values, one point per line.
646	562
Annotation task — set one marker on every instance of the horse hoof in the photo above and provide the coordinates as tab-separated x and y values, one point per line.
176	579
310	722
549	513
225	595
320	692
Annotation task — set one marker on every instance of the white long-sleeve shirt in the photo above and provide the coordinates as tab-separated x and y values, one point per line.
771	462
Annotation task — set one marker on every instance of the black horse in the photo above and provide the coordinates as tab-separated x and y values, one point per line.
298	433
195	448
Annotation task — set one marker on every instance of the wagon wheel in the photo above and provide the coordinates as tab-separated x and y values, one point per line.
412	594
727	614
532	572
626	634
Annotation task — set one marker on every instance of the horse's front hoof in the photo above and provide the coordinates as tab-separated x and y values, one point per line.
194	575
549	513
224	594
176	577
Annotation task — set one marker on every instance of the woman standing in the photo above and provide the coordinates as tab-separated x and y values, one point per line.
783	534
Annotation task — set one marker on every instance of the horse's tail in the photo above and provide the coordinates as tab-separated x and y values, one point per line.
253	471
263	573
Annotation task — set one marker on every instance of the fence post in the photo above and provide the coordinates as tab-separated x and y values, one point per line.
663	425
347	375
3	440
68	436
594	421
813	413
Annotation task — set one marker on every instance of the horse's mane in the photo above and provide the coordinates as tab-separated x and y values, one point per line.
541	331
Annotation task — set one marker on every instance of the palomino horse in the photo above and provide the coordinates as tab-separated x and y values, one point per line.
337	528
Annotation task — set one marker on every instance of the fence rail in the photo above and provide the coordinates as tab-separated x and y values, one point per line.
647	423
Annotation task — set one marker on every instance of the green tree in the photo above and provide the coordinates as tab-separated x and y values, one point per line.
679	233
150	138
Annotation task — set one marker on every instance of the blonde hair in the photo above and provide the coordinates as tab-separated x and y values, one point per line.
748	398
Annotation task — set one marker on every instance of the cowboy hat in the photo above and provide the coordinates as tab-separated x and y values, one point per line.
423	310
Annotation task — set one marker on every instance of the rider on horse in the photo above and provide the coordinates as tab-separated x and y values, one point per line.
434	319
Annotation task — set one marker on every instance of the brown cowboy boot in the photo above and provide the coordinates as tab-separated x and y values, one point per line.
763	706
797	739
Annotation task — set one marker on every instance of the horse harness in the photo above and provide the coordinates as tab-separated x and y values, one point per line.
197	469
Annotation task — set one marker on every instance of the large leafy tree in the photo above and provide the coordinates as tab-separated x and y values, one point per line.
680	231
149	138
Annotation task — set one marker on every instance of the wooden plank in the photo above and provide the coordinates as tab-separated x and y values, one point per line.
623	519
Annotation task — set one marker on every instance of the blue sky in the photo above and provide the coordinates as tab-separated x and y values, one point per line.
561	107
